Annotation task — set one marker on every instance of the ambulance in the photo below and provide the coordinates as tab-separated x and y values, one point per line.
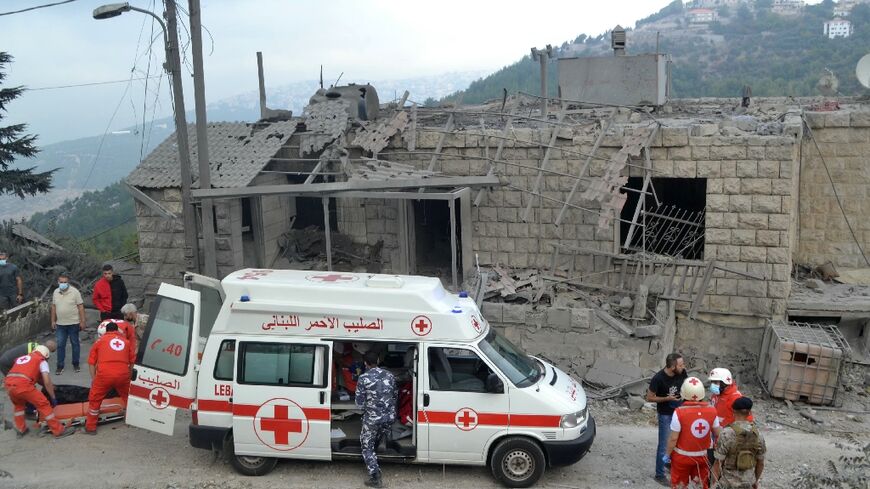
259	360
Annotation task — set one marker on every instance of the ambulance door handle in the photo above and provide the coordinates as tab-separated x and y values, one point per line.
231	400
425	400
322	397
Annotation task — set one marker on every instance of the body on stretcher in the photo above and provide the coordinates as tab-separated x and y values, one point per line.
72	408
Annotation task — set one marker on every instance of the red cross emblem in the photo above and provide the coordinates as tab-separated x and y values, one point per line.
421	325
694	381
281	424
331	278
475	323
466	419
117	344
159	398
254	274
700	428
23	360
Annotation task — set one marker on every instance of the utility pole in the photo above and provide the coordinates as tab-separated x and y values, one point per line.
543	55
207	205
188	212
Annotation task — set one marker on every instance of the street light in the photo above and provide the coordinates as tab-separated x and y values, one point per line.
173	66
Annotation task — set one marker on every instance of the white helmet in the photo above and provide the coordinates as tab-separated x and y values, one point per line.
692	390
101	329
722	375
43	350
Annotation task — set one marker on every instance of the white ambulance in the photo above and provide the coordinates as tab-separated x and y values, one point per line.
259	359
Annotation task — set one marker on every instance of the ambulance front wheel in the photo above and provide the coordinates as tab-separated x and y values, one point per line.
517	462
247	465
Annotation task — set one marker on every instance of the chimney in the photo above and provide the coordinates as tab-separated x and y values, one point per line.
617	41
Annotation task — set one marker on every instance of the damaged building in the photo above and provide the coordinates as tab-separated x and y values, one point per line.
597	235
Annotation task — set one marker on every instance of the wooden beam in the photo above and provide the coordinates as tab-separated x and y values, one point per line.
149	202
329	188
326	230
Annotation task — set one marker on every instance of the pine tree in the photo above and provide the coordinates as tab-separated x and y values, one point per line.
14	143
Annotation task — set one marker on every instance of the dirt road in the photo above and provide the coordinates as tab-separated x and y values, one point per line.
124	457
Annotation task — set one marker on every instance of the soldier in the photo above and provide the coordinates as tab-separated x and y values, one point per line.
739	451
376	395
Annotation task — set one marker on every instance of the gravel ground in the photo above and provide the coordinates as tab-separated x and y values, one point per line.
124	457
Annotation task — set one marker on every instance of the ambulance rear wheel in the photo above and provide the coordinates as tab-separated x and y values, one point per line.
248	465
517	462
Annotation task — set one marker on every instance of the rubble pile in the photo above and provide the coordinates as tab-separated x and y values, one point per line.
305	249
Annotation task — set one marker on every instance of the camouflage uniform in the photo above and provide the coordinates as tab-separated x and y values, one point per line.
376	394
725	452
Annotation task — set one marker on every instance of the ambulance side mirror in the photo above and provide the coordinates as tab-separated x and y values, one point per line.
494	384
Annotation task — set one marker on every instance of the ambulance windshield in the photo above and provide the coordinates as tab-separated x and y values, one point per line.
513	362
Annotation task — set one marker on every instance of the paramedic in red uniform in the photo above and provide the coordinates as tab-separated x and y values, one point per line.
125	328
692	429
110	361
21	382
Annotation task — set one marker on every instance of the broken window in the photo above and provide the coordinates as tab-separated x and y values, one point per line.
432	237
309	212
674	226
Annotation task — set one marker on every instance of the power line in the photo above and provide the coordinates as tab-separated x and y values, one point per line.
36	7
90	84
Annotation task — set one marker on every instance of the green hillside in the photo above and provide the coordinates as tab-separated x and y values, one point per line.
776	55
100	223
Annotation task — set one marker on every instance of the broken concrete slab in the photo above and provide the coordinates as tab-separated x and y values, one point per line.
512	313
814	283
648	331
612	373
559	318
635	403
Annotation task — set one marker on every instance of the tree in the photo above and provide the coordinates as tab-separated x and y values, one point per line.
14	143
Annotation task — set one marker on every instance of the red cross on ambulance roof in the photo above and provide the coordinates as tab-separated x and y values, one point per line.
331	278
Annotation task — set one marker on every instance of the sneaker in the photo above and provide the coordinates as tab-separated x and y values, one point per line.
59	372
89	432
20	434
662	480
374	482
66	432
77	369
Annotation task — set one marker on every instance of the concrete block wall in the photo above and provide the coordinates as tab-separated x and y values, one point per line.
574	338
750	202
23	328
276	210
843	137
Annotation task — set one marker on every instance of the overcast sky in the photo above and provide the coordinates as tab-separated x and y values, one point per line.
367	40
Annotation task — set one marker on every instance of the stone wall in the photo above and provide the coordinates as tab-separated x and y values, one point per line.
750	201
574	338
843	137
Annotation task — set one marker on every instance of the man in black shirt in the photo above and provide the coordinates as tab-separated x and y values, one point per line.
664	390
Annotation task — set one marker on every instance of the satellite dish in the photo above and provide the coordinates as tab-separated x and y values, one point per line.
862	71
828	84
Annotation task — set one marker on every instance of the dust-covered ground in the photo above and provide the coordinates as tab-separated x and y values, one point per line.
124	457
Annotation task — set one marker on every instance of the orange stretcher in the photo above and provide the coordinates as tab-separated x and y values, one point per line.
75	413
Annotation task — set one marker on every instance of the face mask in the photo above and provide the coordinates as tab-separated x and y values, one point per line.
63	286
714	388
2	262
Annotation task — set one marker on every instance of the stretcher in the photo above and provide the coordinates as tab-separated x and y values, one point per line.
72	407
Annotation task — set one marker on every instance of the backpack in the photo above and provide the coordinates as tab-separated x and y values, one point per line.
746	447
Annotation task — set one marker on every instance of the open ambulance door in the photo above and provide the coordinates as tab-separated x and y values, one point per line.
211	299
164	377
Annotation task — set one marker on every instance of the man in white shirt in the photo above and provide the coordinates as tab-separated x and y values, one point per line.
67	319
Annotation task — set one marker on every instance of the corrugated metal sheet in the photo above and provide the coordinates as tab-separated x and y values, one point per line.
238	152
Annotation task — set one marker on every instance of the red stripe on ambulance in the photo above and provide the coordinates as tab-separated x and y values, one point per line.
493	419
313	414
145	393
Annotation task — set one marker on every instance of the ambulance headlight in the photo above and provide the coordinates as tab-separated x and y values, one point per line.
575	419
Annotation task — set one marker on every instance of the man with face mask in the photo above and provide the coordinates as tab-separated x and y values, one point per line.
724	392
11	285
67	319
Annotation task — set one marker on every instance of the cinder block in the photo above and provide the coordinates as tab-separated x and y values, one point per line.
493	312
779	222
747	169
709	169
860	119
778	255
675	136
837	119
717	203
752	288
559	318
767	238
768	169
728	152
755	254
755	186
685	169
731	185
514	313
648	331
743	237
767	204
740	203
717	236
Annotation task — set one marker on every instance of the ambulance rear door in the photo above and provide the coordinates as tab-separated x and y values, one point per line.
164	377
211	300
281	398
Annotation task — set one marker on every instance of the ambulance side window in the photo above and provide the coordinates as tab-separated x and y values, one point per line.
282	364
457	369
223	366
167	339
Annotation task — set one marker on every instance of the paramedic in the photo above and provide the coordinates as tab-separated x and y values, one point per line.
110	362
692	427
376	395
21	386
739	451
7	359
